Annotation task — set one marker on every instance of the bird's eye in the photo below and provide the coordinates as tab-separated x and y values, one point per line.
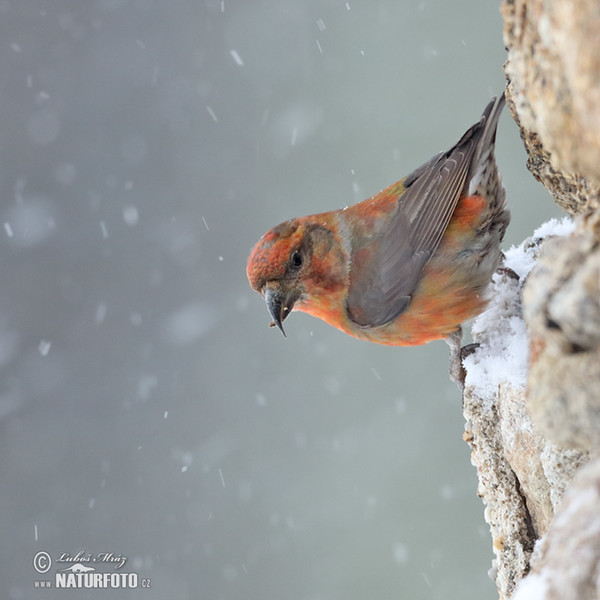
296	260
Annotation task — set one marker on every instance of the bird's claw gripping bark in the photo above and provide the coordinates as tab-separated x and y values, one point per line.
456	369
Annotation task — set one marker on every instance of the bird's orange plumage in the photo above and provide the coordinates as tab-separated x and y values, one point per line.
404	267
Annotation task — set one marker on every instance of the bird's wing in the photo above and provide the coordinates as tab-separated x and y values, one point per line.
385	271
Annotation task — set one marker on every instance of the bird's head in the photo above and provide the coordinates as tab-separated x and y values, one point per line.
276	266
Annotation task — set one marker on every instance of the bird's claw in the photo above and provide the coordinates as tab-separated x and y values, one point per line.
468	350
508	272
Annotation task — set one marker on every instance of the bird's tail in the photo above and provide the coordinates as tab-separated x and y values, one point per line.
484	151
490	118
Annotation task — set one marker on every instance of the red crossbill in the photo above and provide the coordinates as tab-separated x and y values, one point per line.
404	267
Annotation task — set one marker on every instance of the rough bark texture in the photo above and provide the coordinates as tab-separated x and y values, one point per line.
554	93
562	311
565	562
530	438
522	472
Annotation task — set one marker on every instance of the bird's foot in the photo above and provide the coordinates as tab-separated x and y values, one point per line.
456	369
468	350
457	354
508	272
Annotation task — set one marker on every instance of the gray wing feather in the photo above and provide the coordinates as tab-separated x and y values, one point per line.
381	288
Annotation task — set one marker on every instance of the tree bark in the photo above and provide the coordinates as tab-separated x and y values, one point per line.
536	437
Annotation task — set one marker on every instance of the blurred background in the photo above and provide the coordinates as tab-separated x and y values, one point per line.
146	408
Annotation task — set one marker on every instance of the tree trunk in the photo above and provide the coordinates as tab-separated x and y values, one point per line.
532	389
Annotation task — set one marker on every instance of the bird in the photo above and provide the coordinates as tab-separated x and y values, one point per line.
404	267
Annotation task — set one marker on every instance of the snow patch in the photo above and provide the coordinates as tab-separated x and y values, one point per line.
532	587
503	353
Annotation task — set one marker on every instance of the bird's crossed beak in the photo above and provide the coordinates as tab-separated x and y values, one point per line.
280	303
